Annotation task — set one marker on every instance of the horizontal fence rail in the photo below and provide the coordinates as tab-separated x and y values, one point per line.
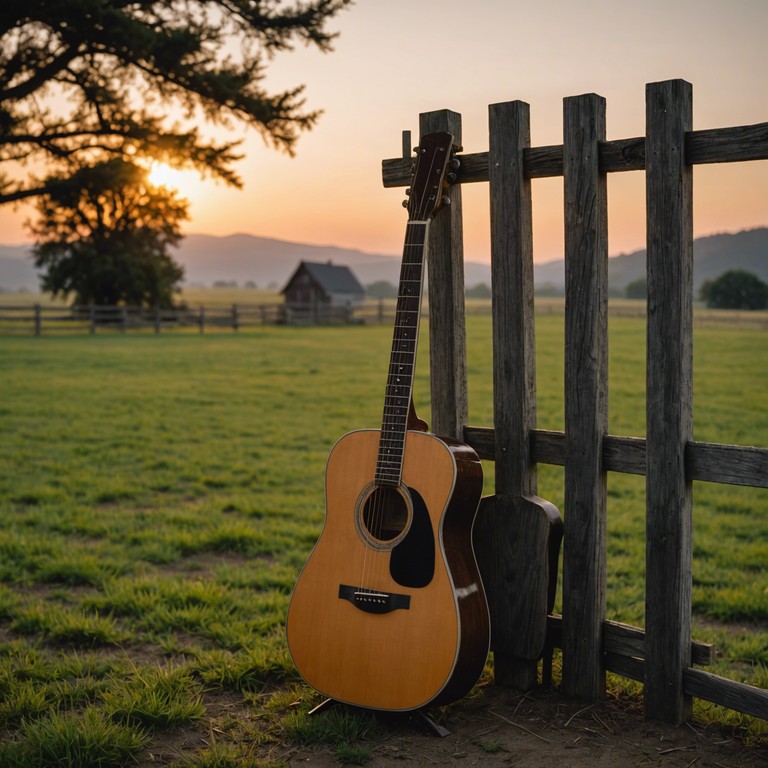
711	462
719	145
38	319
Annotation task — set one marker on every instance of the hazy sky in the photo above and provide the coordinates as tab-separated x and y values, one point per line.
396	58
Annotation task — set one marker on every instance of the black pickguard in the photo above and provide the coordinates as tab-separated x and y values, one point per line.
412	563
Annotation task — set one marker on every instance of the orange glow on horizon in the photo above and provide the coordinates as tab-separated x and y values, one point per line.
371	88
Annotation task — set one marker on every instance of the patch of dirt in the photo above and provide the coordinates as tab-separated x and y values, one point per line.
500	728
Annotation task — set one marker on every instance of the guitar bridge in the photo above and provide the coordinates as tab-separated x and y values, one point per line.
373	601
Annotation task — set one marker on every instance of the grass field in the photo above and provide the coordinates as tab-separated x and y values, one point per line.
158	495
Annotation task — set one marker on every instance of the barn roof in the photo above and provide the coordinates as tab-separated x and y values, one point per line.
333	278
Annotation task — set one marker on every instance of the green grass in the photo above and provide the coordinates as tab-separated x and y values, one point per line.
159	494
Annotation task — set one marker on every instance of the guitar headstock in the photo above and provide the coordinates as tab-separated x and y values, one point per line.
433	157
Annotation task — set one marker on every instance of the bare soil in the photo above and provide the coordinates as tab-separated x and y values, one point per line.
540	729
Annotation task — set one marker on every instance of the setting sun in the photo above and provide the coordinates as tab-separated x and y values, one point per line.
163	175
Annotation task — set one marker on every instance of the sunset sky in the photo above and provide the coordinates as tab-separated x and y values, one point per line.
396	58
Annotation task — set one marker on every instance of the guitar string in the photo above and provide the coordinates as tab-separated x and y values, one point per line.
406	300
380	494
402	366
376	505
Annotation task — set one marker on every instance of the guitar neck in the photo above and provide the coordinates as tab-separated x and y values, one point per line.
402	361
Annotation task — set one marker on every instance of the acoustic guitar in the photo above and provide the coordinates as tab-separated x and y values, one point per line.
389	612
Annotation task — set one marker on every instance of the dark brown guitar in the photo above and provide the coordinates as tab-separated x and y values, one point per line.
389	611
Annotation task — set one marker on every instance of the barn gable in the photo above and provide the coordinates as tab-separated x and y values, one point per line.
323	283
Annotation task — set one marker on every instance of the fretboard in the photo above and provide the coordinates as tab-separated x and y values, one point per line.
402	361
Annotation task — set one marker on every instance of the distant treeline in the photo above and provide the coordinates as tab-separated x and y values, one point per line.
733	289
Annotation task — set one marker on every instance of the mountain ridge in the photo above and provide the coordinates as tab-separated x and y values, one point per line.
269	262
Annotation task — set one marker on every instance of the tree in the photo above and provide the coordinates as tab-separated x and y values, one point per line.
103	234
381	289
736	289
637	289
83	81
479	291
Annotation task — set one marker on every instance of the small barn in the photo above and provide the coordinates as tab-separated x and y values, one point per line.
322	286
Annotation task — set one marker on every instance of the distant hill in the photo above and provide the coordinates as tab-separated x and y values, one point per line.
269	262
712	255
266	261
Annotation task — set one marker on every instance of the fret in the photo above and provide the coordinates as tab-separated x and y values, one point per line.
389	465
402	358
391	455
393	471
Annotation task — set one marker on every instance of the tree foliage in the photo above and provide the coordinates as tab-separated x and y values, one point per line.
637	289
381	289
735	289
103	235
83	81
478	291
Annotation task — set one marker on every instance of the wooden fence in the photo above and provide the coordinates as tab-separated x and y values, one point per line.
662	655
40	319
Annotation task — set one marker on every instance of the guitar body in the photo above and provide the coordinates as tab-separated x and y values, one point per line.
389	612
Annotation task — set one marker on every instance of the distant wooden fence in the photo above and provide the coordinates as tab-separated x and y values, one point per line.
39	319
662	654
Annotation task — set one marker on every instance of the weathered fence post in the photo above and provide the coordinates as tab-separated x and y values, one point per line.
586	395
669	401
91	319
157	319
123	319
201	319
235	318
514	528
38	320
447	334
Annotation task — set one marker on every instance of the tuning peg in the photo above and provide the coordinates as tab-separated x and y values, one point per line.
455	163
451	177
405	203
408	191
446	200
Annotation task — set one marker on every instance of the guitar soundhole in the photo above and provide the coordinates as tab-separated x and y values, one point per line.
385	515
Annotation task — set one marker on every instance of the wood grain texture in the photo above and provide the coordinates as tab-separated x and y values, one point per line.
517	540
708	462
669	399
516	532
728	693
586	396
447	333
405	659
514	341
626	640
715	145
